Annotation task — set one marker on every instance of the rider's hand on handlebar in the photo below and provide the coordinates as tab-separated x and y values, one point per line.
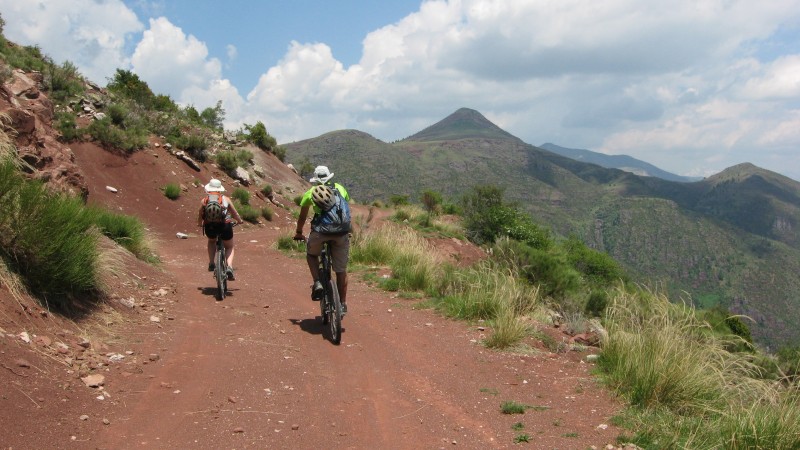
299	237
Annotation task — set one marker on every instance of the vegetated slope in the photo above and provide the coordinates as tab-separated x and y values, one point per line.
622	162
726	237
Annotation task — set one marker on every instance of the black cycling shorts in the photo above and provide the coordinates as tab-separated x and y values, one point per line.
215	229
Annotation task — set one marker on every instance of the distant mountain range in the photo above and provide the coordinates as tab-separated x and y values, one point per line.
622	162
731	239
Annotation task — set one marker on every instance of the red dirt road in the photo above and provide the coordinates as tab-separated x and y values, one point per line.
254	371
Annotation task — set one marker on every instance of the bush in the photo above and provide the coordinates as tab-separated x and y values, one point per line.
129	85
280	153
117	113
248	213
487	218
63	81
398	200
266	213
194	143
257	134
596	304
67	126
229	160
297	200
598	267
111	136
550	271
267	190
172	191
242	195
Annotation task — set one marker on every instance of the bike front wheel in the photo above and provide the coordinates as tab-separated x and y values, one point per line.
335	314
221	275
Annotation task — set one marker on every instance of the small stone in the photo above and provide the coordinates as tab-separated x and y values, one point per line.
111	189
154	357
94	381
155	319
295	427
84	417
238	430
106	422
22	363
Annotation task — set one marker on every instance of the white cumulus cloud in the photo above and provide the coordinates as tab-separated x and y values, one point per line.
91	34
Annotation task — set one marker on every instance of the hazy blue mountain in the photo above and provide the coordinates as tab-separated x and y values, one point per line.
622	162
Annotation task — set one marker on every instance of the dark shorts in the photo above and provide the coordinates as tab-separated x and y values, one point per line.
215	229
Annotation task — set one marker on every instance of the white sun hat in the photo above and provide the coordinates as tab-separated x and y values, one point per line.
214	186
321	175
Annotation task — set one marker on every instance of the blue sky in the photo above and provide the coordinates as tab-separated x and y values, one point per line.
692	86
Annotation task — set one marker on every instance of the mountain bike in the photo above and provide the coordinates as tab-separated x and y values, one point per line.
330	305
221	268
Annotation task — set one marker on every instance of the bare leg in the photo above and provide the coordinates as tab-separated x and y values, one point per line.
212	248
341	285
229	251
313	266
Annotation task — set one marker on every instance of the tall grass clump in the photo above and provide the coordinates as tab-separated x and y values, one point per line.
689	389
47	238
172	191
413	262
127	231
659	354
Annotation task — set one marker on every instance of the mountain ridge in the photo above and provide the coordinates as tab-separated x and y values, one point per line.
609	209
622	162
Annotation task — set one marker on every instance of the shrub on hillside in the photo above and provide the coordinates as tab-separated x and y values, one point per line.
172	191
267	190
258	136
398	200
67	126
551	272
596	304
193	143
242	195
598	267
248	213
129	85
266	213
487	217
230	160
111	136
62	81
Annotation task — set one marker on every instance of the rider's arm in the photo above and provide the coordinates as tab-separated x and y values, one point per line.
234	213
301	220
200	217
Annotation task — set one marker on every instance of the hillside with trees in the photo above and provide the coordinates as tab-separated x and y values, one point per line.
719	239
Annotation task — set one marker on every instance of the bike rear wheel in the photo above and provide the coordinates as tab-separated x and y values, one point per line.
335	313
220	273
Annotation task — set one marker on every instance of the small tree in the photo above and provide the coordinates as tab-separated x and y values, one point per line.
257	134
128	84
431	201
213	117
